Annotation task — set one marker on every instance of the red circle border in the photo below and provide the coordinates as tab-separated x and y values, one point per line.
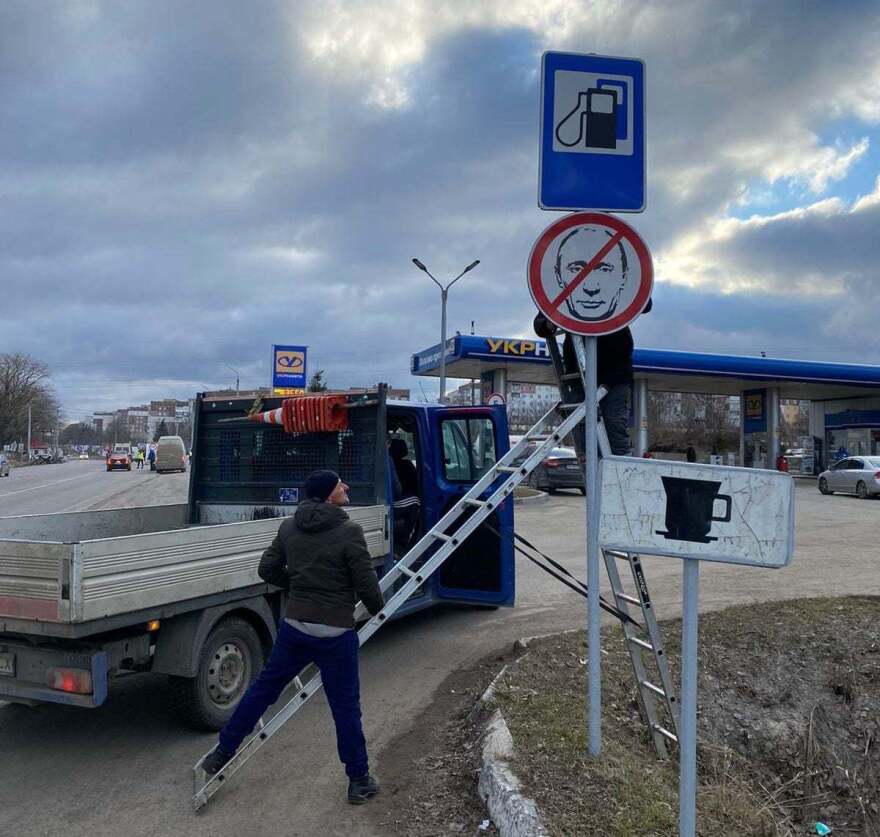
536	288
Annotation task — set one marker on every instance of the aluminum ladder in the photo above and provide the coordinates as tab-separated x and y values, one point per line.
642	644
413	569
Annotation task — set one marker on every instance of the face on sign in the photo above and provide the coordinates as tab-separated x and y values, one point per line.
598	293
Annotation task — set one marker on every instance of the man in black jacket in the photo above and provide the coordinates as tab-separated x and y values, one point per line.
614	371
320	557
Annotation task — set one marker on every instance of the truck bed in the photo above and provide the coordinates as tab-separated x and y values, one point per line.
80	567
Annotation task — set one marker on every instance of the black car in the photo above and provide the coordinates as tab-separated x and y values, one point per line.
560	469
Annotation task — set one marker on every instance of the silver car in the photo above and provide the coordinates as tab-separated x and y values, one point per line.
853	475
4	465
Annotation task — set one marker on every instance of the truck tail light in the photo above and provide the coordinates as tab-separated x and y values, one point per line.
75	680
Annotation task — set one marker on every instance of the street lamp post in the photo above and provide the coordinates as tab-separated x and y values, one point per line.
236	376
444	295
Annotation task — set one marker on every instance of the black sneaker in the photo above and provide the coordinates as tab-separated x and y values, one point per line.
216	759
362	789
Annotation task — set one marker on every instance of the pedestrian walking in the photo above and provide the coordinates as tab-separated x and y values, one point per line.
691	454
139	456
320	558
151	458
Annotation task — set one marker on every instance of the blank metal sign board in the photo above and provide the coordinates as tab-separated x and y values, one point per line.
592	146
707	512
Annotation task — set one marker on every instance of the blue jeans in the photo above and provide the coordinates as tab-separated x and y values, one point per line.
615	416
337	659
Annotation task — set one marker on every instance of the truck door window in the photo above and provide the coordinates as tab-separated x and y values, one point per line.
468	448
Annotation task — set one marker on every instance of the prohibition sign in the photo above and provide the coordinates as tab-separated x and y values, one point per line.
590	273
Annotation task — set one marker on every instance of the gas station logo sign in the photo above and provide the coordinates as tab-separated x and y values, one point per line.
289	367
755	418
519	348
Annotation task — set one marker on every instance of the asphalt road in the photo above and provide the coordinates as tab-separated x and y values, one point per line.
81	485
125	768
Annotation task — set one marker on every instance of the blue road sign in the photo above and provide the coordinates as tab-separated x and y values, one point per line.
289	367
592	133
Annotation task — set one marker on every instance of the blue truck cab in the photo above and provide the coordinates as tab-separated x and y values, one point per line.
245	470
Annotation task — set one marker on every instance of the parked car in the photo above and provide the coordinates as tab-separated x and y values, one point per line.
560	469
171	454
854	475
119	460
4	465
514	441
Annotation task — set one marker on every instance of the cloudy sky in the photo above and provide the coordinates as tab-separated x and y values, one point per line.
185	183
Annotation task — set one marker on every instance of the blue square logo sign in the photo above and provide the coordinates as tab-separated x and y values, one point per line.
592	133
289	367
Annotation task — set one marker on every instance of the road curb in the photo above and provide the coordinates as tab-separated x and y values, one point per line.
514	815
540	497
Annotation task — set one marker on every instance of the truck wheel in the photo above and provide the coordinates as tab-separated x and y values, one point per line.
229	661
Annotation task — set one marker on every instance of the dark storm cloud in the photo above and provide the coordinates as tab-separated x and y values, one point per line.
185	184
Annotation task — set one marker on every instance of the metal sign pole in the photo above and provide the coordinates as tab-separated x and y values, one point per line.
687	776
591	485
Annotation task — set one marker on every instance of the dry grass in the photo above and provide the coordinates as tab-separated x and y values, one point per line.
788	724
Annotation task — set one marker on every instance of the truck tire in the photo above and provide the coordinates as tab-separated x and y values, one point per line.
229	661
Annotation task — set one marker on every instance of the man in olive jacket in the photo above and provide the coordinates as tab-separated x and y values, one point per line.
320	557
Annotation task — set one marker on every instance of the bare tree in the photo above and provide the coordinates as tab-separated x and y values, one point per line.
794	422
677	420
317	382
25	380
79	434
161	430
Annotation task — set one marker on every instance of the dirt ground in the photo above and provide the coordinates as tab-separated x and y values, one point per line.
429	774
788	726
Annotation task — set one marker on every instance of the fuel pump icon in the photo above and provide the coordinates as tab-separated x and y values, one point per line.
592	123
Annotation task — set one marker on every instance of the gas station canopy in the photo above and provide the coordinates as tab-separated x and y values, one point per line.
528	361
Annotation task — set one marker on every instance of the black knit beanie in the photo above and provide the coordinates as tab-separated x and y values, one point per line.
320	484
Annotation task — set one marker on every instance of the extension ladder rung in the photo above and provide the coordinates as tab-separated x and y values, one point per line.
635	645
665	732
655	689
495	485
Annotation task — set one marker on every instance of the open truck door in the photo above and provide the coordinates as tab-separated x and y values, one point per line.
468	442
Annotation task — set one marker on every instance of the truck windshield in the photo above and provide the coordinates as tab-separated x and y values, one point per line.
468	448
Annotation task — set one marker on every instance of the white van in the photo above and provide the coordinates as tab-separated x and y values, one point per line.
170	454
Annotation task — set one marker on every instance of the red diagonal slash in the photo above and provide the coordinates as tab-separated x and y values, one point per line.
582	273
